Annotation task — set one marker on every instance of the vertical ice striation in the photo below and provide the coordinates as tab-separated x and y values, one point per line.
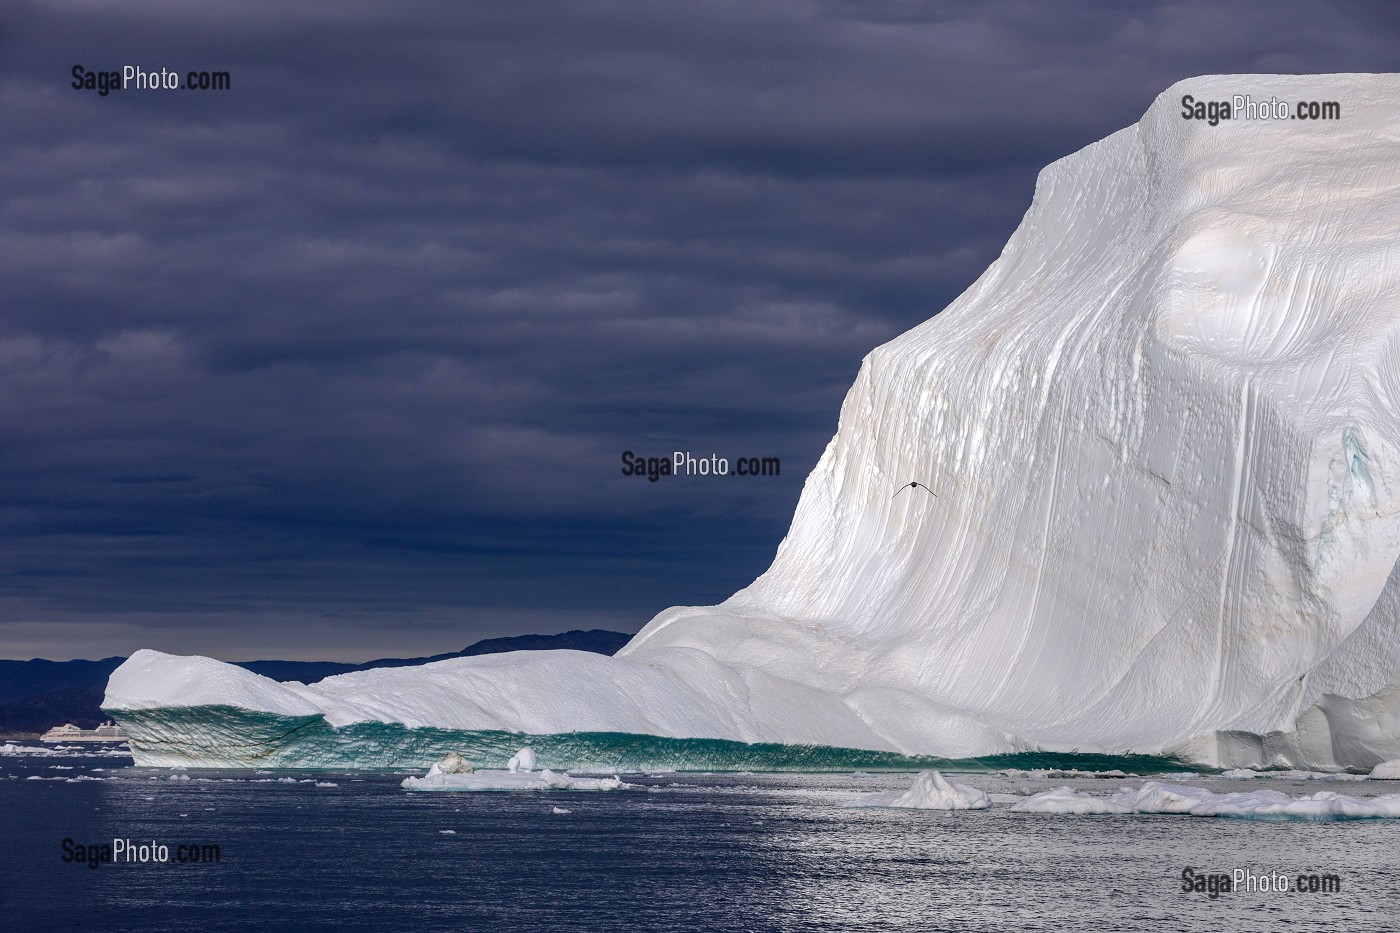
1163	430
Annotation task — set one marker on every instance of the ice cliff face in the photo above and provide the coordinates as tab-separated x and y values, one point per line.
1163	432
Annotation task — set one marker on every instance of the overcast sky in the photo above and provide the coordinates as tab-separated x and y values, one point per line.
339	363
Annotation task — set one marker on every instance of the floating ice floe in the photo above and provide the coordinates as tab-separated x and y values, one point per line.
67	780
560	811
511	780
1161	797
1068	800
10	749
930	791
446	775
1247	774
1048	774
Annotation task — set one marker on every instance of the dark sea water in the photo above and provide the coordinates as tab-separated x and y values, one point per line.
685	851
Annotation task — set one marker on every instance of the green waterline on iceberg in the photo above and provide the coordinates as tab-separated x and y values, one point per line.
230	737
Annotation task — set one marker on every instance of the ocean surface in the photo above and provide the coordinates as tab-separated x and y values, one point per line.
301	850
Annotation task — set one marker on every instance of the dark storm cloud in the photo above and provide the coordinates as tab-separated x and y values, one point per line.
339	363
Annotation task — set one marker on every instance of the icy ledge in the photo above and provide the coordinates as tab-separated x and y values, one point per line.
1162	428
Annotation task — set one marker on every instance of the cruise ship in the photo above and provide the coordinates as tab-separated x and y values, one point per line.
107	732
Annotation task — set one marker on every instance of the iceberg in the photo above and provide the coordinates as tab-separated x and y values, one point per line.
1068	800
10	749
510	780
1162	432
1164	798
1248	774
930	791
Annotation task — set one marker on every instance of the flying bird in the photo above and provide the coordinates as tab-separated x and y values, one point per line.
915	485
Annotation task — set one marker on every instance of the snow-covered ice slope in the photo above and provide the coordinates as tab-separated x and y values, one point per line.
1163	431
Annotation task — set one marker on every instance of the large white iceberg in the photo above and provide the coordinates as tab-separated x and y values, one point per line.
1164	433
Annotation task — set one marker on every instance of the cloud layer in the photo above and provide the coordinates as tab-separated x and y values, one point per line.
339	363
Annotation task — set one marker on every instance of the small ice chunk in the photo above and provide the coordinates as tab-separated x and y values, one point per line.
1159	797
452	763
447	832
510	780
1322	805
1156	797
1386	771
326	784
523	760
930	791
1242	774
39	751
562	810
1068	800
